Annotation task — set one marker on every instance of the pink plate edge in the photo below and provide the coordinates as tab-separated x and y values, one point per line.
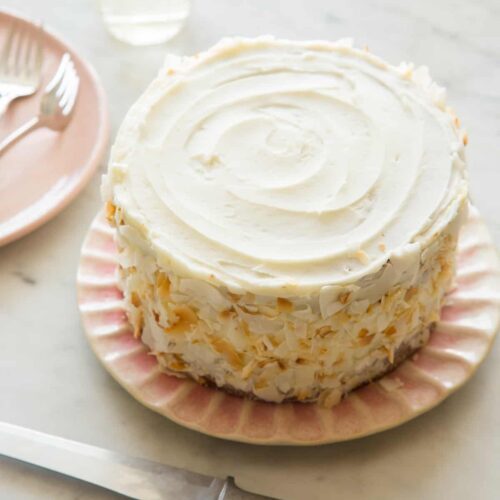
368	410
97	152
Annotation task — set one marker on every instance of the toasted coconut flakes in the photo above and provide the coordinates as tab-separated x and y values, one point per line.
302	394
390	384
389	352
390	330
263	361
268	311
282	350
223	347
358	307
405	316
362	256
262	383
282	364
364	337
244	327
363	333
234	296
330	398
269	345
284	305
186	318
135	300
138	325
259	347
204	293
324	331
304	313
110	211
250	309
227	314
304	344
342	317
248	369
177	364
344	297
365	340
274	341
300	329
291	340
162	284
260	324
410	293
406	70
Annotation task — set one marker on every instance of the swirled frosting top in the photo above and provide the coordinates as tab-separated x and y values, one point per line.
279	167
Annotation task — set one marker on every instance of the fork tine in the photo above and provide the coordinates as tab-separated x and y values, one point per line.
64	82
65	100
28	55
19	42
65	89
7	46
69	85
72	97
37	69
33	60
56	80
65	79
71	93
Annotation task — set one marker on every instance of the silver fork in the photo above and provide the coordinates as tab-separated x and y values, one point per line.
20	64
57	105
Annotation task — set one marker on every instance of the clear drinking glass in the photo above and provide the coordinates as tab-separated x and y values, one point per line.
144	22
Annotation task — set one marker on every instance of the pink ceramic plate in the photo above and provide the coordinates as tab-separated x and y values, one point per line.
459	343
44	171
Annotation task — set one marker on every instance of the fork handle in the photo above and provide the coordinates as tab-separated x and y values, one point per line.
19	133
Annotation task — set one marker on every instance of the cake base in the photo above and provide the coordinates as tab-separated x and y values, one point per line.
456	347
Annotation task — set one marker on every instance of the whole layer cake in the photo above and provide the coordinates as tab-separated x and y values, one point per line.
286	215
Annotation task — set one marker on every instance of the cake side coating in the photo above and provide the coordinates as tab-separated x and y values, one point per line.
276	348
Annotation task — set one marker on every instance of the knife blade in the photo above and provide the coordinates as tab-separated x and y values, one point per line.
130	476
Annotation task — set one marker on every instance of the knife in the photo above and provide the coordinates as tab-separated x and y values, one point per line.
130	476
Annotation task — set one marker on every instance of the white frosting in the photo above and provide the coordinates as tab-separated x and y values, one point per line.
280	167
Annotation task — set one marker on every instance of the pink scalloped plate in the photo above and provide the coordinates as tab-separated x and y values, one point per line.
458	345
43	172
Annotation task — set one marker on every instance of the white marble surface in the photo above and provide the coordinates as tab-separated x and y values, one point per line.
49	379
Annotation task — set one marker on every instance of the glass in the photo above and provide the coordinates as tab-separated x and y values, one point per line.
144	22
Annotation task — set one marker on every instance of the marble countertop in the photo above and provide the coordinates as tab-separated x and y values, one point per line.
51	381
